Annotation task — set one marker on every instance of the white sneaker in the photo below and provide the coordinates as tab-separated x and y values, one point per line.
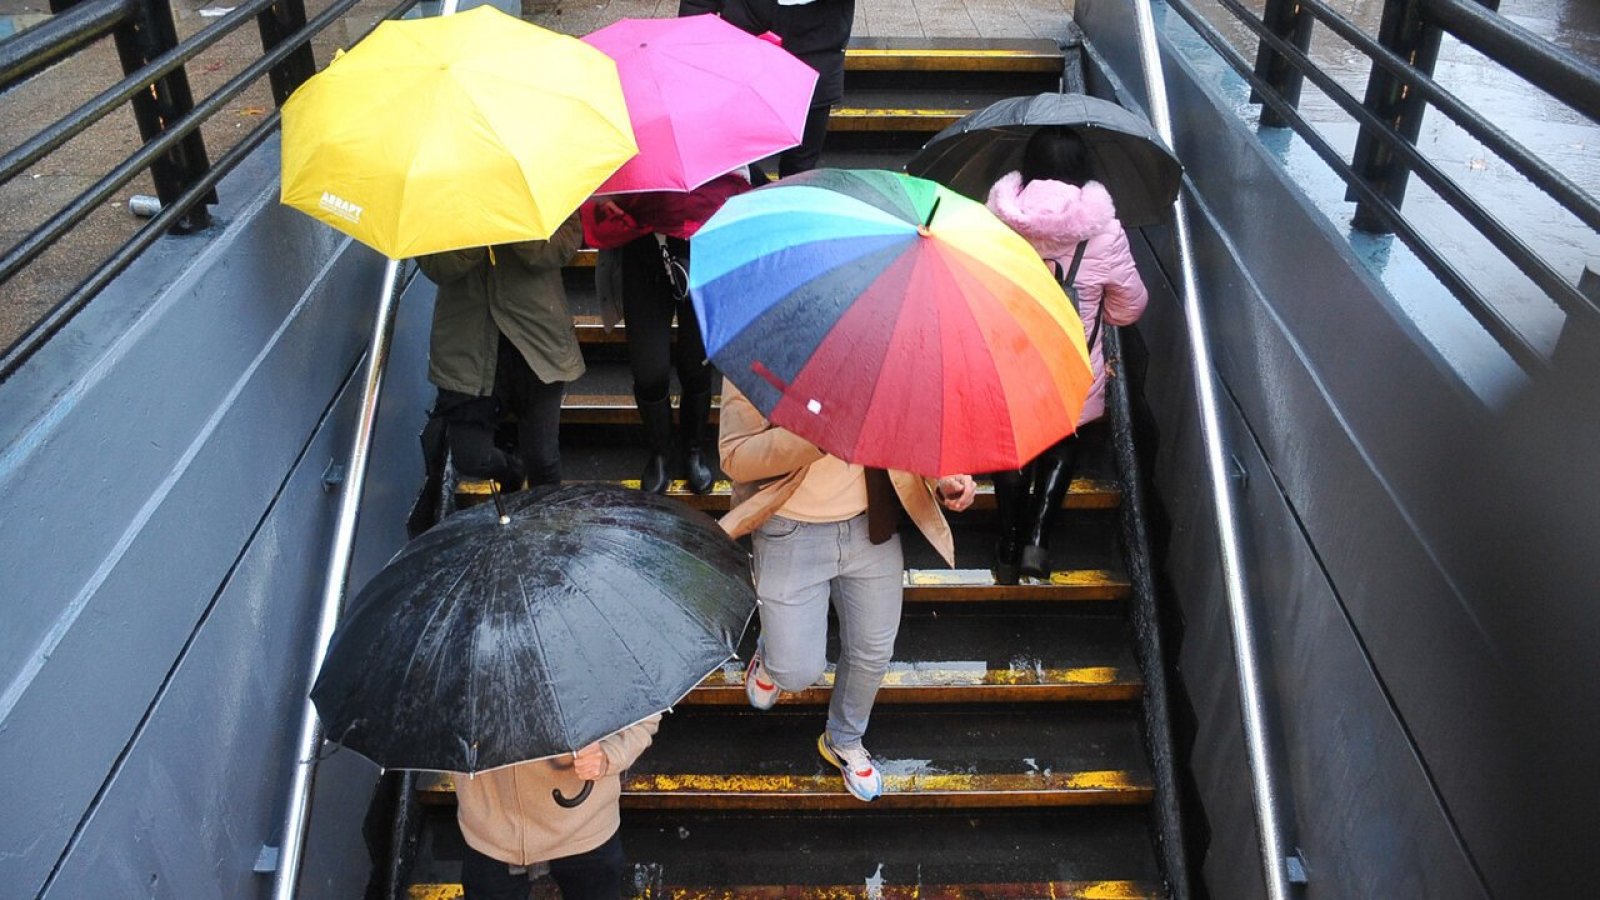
861	776
759	688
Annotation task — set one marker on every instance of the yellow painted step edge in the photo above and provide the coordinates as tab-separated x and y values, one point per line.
1057	890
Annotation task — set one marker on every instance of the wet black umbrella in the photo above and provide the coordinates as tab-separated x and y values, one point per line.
1128	157
483	644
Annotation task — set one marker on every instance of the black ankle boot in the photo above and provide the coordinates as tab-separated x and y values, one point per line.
657	416
1007	564
1050	484
694	411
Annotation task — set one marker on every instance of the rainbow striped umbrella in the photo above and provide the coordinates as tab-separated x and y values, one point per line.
890	321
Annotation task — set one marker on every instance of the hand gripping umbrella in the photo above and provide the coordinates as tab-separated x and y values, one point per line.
494	639
1126	154
704	97
889	321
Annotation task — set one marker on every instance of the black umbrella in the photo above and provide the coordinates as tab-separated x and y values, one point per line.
493	639
1128	157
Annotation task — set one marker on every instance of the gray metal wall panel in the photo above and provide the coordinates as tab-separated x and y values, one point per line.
1349	405
202	787
127	493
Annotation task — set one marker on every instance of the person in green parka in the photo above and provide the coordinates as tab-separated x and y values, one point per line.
502	342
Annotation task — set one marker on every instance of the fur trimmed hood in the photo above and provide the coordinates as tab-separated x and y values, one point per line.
1053	215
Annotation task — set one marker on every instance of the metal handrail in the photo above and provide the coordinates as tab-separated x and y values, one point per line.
1557	72
76	210
1547	178
1473	300
1548	68
76	122
40	47
1503	239
1253	707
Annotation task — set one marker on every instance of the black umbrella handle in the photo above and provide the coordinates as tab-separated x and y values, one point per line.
565	803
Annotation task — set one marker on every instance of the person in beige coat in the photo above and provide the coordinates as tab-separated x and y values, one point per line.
824	528
512	822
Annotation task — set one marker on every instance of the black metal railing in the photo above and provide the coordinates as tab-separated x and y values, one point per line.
169	119
1399	91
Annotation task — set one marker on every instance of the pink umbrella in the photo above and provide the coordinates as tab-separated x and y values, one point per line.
704	96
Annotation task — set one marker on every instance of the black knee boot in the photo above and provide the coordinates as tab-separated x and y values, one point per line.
1050	482
657	416
694	411
1008	512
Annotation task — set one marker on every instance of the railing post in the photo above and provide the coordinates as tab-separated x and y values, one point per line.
277	22
1404	32
1288	20
150	34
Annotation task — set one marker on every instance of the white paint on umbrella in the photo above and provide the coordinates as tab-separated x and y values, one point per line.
814	406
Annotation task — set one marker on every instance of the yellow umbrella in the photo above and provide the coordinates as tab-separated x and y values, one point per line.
454	131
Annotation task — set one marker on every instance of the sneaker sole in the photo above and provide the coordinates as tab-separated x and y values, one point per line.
837	763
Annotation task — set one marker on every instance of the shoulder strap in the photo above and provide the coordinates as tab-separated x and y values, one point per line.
1069	283
1077	259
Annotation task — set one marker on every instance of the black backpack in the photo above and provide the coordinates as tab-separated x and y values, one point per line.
1068	282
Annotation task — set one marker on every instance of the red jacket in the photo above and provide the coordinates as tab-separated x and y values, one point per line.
676	214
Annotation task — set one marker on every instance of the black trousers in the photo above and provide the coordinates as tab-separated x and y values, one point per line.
470	421
649	303
595	875
804	158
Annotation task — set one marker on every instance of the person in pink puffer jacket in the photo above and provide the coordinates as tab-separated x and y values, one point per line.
1053	203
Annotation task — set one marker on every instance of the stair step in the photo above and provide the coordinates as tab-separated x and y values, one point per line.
1098	853
1059	890
1072	756
868	54
967	658
613	409
926	120
977	586
1085	493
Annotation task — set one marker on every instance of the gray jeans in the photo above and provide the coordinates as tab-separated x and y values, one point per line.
798	566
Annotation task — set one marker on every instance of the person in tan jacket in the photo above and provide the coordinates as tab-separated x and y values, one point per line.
512	822
824	528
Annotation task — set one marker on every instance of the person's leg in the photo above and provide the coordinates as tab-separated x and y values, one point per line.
594	875
805	157
539	430
486	878
1009	487
867	597
794	564
1052	477
647	309
694	412
537	406
469	424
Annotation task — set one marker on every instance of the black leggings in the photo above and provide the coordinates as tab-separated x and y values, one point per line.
470	421
649	302
1030	498
805	156
593	875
